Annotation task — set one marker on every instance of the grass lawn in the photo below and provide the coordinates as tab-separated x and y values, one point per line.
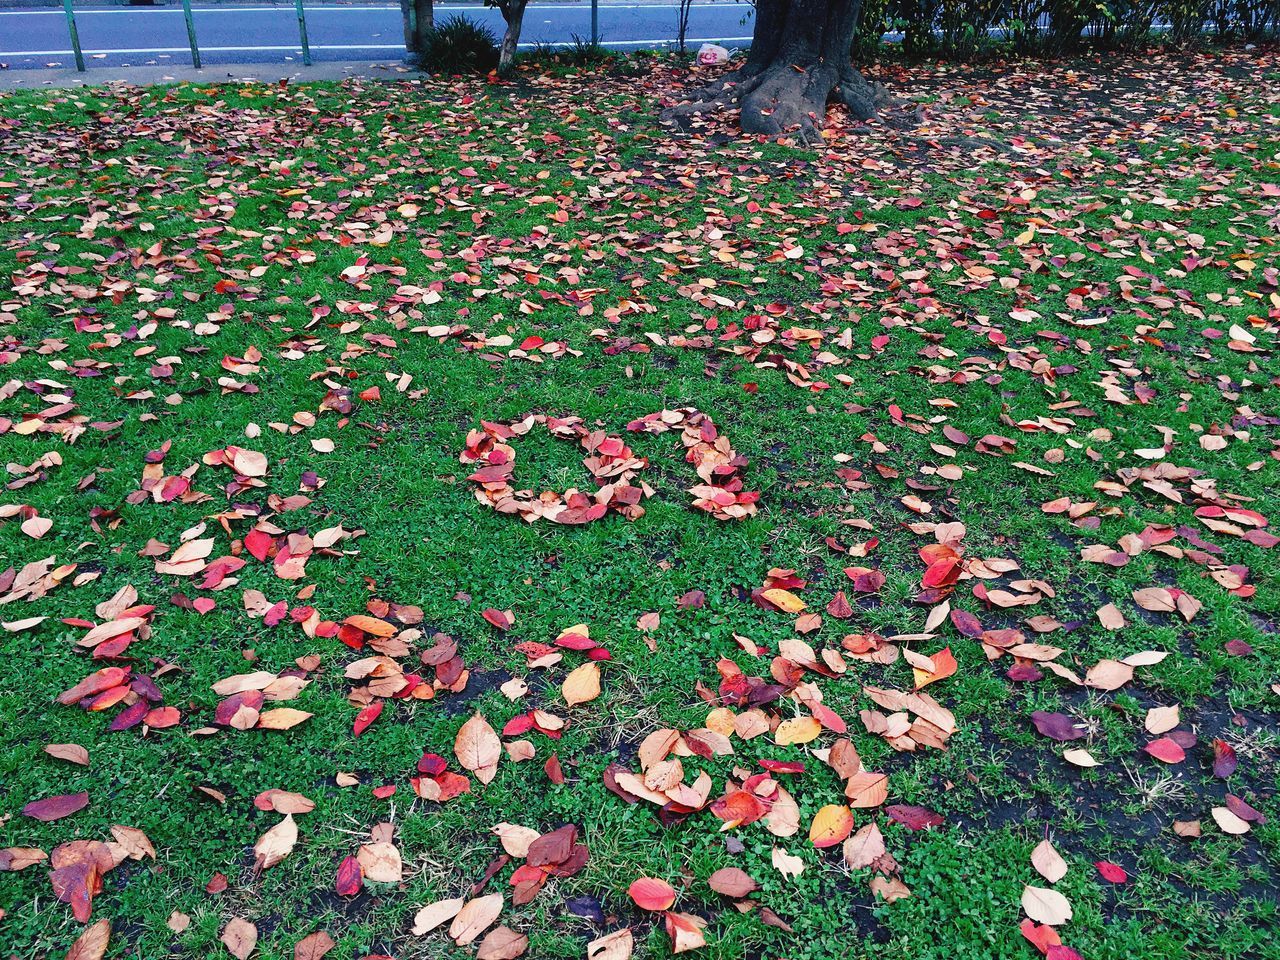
1006	385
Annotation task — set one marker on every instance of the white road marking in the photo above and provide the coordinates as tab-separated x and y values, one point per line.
337	46
152	11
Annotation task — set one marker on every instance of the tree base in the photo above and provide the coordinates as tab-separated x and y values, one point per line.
786	99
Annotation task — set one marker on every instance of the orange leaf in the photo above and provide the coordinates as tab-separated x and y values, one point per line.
650	893
831	825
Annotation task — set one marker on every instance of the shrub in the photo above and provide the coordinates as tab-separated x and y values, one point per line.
579	52
459	45
970	29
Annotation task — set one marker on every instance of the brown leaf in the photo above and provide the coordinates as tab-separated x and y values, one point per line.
55	808
434	914
1108	675
866	789
240	937
1161	720
1046	906
313	946
178	921
1048	862
92	944
478	748
282	718
134	841
732	882
71	752
502	943
276	844
864	847
13	859
283	801
515	839
380	862
582	684
685	931
612	946
1110	617
475	918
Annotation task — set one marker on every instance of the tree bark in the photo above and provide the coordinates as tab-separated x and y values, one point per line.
418	17
513	14
800	59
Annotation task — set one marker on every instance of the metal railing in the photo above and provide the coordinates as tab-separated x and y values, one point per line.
74	32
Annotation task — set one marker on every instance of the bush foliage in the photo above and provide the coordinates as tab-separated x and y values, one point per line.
458	45
961	29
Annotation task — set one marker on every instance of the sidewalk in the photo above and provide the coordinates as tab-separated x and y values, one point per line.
214	73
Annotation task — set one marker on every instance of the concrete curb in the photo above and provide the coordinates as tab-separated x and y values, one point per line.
214	73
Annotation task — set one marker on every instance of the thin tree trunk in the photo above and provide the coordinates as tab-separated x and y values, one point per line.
418	17
513	14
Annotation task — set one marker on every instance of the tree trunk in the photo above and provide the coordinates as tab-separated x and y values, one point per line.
418	17
800	58
513	14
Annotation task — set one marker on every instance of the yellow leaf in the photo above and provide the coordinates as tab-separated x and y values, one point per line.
784	600
582	685
797	730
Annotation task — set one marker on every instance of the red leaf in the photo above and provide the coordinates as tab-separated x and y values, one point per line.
649	893
367	716
1056	726
1166	750
1224	759
1111	872
496	617
1041	936
55	808
350	877
914	818
965	622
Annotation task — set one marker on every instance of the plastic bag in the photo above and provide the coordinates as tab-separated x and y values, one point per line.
712	53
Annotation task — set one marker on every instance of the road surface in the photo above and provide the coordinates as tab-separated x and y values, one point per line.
134	36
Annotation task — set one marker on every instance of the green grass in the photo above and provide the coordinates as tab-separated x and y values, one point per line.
248	202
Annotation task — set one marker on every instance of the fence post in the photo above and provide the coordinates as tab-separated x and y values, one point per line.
75	34
595	22
191	34
302	32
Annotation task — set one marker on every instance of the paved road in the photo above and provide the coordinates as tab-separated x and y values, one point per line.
132	36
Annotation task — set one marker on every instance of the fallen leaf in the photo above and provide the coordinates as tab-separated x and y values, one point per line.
313	946
436	914
475	917
478	748
502	943
240	937
582	684
612	946
732	882
1046	906
1048	862
650	893
276	844
864	847
831	824
55	808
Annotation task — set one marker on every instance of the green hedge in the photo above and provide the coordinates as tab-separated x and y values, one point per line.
961	29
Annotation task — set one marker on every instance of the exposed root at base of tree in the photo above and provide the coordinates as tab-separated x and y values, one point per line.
780	101
787	99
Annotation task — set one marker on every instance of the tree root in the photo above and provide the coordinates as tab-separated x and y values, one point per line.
789	100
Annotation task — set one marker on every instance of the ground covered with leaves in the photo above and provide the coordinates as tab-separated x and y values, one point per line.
453	519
